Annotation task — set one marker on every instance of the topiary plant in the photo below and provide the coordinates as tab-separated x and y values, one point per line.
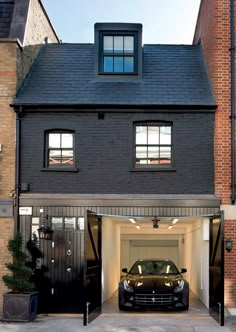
19	280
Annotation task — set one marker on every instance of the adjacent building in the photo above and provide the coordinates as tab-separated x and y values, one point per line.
215	33
24	26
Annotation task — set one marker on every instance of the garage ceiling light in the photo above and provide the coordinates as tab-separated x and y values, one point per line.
174	221
132	220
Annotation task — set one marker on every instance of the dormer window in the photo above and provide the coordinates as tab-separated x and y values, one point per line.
119	54
119	49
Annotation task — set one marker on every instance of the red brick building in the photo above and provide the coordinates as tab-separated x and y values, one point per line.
24	26
216	33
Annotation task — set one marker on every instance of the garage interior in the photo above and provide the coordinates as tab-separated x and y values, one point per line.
183	240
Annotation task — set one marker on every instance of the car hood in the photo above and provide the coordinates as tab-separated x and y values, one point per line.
158	283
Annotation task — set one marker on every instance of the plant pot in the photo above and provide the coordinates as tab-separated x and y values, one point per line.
20	307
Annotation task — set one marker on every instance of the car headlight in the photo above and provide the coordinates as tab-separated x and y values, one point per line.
180	287
127	287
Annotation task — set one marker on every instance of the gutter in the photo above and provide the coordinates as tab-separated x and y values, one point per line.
232	94
42	107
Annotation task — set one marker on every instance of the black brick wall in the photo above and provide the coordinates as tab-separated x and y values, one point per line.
104	154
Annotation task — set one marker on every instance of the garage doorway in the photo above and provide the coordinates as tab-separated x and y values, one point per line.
186	243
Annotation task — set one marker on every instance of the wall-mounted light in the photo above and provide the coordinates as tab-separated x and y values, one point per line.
132	220
228	244
137	226
45	233
170	226
174	221
155	221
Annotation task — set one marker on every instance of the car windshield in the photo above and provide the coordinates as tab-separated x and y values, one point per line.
154	267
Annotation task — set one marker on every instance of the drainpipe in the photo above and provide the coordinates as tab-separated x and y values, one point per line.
17	177
232	88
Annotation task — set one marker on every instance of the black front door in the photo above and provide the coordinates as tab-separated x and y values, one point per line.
59	272
92	267
216	269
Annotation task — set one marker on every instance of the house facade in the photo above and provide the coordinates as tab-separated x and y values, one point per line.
24	27
112	132
215	32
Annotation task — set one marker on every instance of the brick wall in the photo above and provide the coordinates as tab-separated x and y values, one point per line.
15	62
7	117
6	230
213	29
7	139
104	151
230	264
38	26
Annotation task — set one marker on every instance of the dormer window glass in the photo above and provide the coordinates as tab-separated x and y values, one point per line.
118	53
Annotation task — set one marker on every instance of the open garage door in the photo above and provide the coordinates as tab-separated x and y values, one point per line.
92	267
216	269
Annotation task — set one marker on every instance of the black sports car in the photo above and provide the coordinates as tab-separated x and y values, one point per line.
153	284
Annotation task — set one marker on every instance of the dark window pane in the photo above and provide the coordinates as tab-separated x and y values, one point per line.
118	64
108	44
108	64
128	64
129	44
57	223
118	44
70	223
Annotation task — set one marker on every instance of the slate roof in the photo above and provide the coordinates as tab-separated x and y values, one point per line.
64	74
6	10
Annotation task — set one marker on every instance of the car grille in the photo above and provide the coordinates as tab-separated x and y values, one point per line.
153	299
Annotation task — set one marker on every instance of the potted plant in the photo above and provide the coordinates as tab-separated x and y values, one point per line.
20	304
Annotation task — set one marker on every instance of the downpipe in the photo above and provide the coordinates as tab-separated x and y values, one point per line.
17	176
232	94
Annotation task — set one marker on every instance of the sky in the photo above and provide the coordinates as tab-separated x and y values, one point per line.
164	21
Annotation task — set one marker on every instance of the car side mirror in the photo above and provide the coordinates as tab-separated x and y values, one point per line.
125	270
183	270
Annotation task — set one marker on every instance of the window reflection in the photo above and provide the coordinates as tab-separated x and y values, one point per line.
118	44
108	64
60	149
129	44
108	44
128	64
118	54
118	64
153	145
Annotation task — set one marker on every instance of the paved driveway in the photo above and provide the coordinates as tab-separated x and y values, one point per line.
196	319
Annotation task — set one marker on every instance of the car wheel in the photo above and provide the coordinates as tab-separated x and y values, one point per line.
121	300
122	307
186	307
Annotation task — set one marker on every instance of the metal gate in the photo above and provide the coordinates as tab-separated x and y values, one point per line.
92	267
216	269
